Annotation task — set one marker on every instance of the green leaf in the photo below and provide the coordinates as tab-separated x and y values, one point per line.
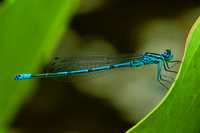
179	112
29	33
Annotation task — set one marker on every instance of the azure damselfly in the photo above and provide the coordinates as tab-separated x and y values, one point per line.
89	66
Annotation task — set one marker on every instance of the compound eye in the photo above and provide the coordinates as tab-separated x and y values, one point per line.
168	52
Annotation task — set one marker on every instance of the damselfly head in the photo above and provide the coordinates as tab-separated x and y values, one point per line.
168	55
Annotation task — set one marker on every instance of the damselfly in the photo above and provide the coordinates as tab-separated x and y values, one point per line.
81	67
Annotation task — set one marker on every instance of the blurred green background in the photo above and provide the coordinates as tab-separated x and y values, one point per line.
33	32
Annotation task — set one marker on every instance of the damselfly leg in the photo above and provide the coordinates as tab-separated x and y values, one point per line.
169	67
166	68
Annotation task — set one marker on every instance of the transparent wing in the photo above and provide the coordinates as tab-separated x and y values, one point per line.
67	63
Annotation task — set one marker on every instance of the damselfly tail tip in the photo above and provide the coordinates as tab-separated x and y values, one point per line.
22	76
17	77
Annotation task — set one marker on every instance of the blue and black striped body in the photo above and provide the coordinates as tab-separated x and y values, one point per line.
81	67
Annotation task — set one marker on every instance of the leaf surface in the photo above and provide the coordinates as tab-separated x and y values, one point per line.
29	33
